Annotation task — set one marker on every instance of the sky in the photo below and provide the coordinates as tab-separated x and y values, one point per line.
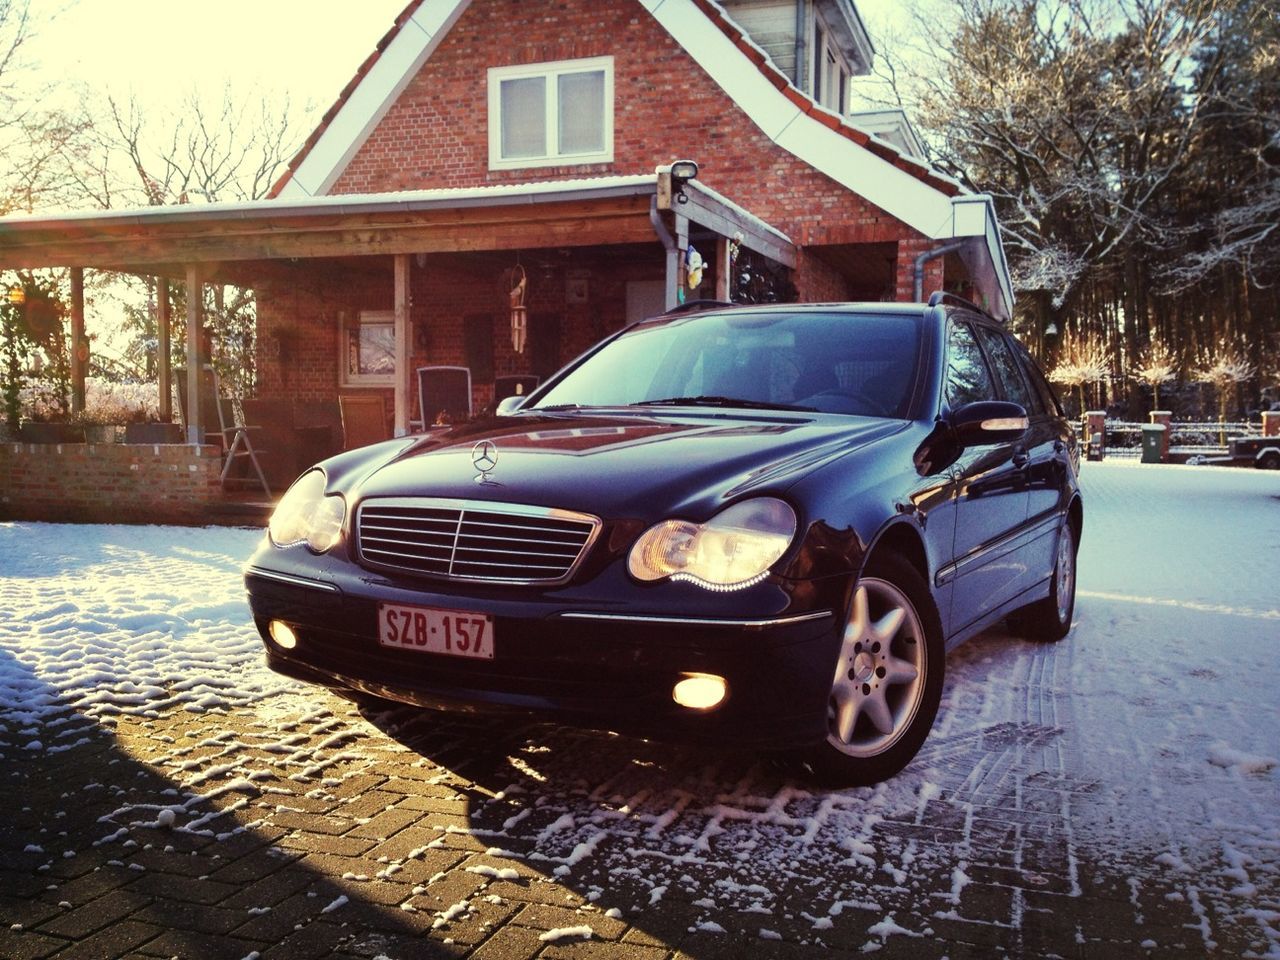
160	48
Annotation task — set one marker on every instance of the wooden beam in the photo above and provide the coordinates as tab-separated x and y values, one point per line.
163	361
79	344
402	344
145	248
195	320
726	222
723	280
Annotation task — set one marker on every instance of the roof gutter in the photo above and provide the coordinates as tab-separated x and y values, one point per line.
925	257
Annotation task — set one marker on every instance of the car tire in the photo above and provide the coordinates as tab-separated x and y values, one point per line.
887	680
1269	461
1049	620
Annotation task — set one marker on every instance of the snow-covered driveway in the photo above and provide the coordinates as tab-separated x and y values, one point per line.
162	794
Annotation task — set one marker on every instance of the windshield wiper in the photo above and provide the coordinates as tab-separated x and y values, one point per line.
714	401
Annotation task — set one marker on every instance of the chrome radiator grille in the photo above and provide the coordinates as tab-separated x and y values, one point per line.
473	539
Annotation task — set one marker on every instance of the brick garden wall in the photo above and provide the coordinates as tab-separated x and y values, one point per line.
108	483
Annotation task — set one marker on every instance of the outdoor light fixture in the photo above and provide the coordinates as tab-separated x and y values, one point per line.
682	171
16	295
700	691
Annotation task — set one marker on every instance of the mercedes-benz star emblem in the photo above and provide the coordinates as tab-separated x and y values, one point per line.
484	457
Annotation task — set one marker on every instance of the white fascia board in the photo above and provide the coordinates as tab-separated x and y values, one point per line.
895	191
373	96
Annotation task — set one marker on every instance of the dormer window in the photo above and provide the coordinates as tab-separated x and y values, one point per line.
551	113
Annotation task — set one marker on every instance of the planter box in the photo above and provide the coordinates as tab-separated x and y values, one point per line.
52	433
102	432
152	433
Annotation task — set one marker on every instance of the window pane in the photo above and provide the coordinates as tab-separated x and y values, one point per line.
376	349
967	376
581	112
524	117
1007	372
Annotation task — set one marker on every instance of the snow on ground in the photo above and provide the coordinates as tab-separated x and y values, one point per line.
1134	763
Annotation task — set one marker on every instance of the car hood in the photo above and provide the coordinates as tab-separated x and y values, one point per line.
622	465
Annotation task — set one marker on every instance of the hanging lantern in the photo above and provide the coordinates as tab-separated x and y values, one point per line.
519	315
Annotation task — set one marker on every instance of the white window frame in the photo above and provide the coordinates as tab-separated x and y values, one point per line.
345	377
552	72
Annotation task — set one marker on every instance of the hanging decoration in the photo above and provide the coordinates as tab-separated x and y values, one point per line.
693	265
519	314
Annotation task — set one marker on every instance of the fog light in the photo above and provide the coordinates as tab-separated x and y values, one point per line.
283	635
700	691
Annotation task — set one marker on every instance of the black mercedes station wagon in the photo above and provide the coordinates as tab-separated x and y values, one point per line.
761	526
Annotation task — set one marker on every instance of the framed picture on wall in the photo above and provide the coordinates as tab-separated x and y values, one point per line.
577	286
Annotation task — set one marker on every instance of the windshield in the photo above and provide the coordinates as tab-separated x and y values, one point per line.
849	363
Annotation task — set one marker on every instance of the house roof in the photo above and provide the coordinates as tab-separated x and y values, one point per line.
421	26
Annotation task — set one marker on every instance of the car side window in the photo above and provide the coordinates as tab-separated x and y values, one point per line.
1038	382
1008	373
968	379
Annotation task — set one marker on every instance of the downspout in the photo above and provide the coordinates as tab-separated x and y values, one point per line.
928	255
802	43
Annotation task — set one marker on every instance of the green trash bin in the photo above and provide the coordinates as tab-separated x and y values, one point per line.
1153	442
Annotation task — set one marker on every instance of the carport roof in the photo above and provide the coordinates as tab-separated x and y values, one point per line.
581	212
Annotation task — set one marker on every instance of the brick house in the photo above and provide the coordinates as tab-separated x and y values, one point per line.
485	140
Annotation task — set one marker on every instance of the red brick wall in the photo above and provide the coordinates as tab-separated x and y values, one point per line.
299	319
665	107
108	483
435	136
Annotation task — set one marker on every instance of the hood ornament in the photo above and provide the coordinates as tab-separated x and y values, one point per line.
484	457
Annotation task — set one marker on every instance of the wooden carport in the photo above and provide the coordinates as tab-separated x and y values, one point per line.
248	242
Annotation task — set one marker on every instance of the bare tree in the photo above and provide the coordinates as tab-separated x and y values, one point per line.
1225	368
1156	364
1082	359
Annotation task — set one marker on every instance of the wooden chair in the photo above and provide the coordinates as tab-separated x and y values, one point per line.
218	422
444	394
364	420
515	385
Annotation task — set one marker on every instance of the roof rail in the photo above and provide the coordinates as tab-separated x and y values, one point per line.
938	296
691	306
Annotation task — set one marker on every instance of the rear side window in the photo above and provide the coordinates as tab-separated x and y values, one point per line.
968	379
1037	381
1008	372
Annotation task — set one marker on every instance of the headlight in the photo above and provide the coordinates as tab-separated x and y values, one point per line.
306	515
732	550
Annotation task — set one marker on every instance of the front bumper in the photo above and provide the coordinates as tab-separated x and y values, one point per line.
559	659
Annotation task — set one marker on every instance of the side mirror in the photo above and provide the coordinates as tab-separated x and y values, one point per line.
509	405
987	421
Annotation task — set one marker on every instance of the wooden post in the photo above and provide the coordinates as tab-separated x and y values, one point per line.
164	366
675	262
723	279
79	345
402	344
195	320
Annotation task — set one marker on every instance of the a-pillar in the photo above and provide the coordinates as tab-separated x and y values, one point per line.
1271	423
1095	426
1165	417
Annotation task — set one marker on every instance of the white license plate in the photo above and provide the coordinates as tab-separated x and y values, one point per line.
455	633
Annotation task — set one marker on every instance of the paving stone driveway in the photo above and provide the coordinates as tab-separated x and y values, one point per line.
1075	800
